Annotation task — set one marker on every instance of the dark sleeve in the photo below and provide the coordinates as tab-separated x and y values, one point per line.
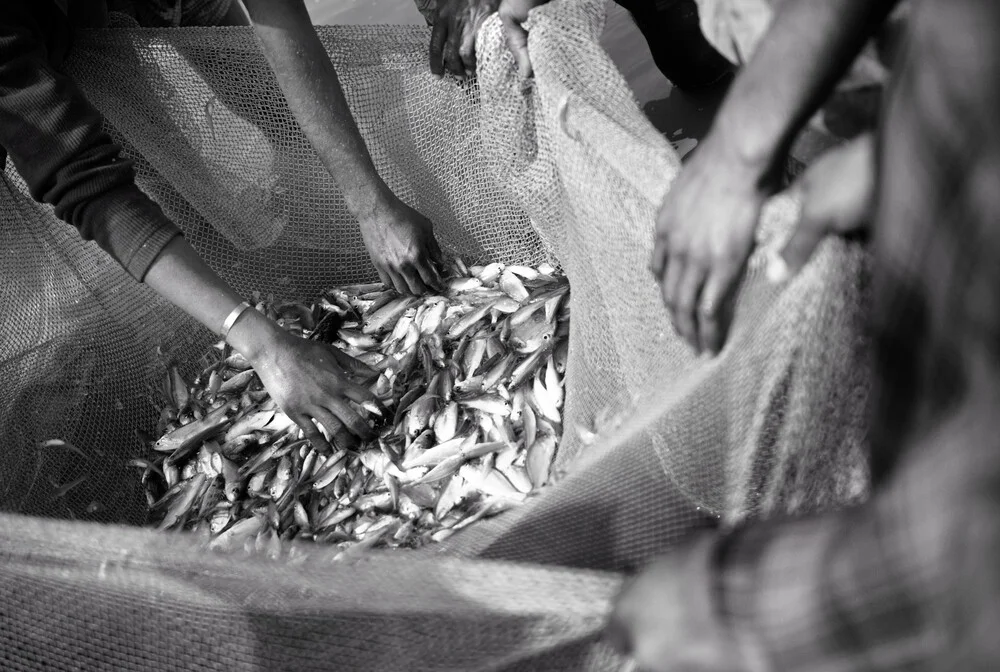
54	137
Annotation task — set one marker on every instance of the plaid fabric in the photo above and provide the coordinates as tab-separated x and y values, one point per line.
911	580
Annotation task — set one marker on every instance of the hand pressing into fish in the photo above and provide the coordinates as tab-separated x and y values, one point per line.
403	249
312	382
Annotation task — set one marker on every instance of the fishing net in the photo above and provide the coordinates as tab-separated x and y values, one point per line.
565	169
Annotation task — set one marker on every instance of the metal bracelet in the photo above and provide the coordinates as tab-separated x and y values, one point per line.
233	316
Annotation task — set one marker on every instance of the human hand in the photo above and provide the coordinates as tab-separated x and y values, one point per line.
312	382
838	194
453	38
402	245
514	13
665	619
704	235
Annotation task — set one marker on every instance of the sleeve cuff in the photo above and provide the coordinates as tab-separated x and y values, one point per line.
130	227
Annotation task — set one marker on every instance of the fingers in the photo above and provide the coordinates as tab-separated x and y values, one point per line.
658	260
416	279
801	245
414	283
354	422
670	284
358	393
452	61
467	49
715	310
354	367
384	277
439	34
687	301
429	274
397	282
325	418
517	39
661	242
311	432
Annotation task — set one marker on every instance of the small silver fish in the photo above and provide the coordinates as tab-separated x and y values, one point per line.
513	287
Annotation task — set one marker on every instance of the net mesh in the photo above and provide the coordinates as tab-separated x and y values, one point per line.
565	169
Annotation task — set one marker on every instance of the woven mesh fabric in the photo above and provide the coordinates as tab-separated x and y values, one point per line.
134	599
566	169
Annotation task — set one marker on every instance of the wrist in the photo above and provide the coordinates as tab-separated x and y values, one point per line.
368	200
748	152
253	335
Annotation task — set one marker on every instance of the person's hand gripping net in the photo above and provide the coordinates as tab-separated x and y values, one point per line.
453	38
704	235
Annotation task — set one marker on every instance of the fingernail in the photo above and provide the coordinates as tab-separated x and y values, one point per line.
777	269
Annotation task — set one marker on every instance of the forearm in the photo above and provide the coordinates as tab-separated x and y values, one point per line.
310	84
55	140
808	48
182	277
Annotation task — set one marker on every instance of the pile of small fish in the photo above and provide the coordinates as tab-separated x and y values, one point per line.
470	385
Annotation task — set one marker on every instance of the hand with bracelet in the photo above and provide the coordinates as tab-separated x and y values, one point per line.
56	140
311	381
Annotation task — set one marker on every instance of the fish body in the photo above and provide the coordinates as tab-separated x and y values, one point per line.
490	273
459	285
252	422
532	335
498	372
545	400
419	415
496	484
554	384
446	422
433	317
281	480
518	477
357	339
512	286
506	305
560	355
473	356
464	324
191	434
451	494
526	369
493	404
439	453
385	318
538	460
443	470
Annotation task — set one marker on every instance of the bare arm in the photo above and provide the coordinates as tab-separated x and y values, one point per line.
705	227
399	239
308	379
808	48
313	91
